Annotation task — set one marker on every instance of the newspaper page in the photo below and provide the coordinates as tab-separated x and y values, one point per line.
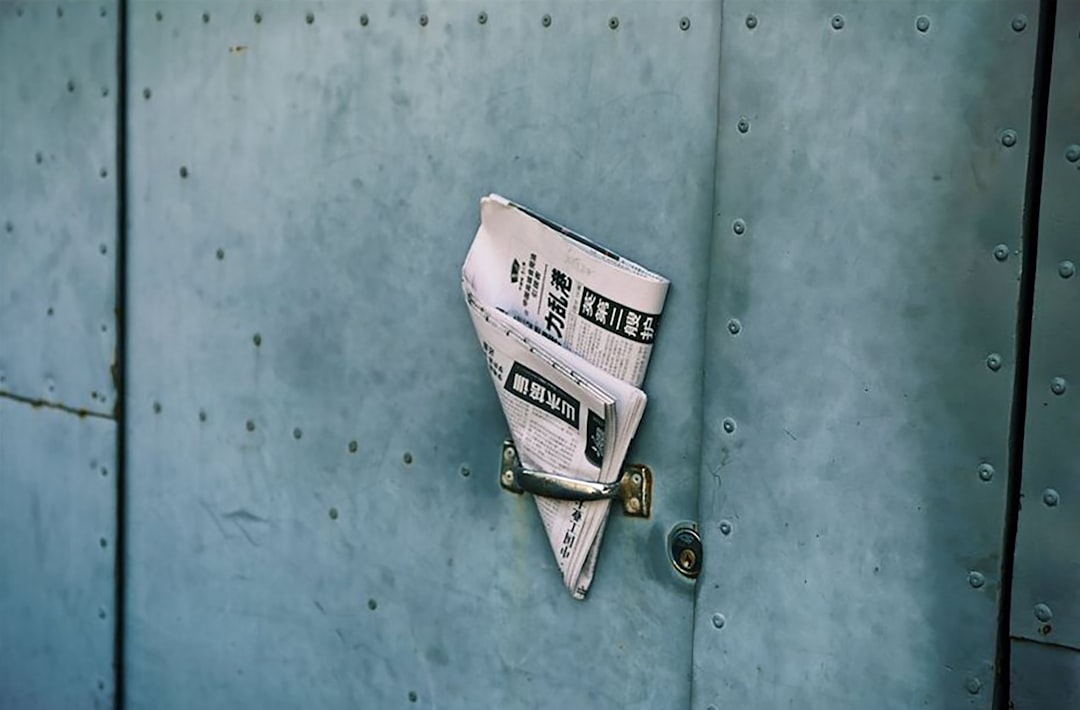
558	421
603	311
586	298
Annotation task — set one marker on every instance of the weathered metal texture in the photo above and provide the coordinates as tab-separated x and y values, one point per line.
1047	573
57	537
58	202
871	160
1044	677
305	184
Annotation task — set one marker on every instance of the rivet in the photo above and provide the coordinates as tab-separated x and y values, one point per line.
1050	498
202	415
729	425
249	425
1001	252
102	12
743	125
412	696
104	472
993	361
38	157
751	21
183	171
976	579
725	527
684	23
9	227
104	91
101	613
465	471
100	684
973	685
636	479
482	18
1008	138
59	12
986	472
546	20
1066	269
718	620
206	17
613	23
352	447
372	604
257	339
837	22
71	85
1019	23
407	458
103	249
18	11
1058	385
157	407
158	16
220	254
922	23
49	311
363	20
738	226
734	326
309	18
333	513
146	94
423	20
296	433
1043	613
103	543
104	174
1072	153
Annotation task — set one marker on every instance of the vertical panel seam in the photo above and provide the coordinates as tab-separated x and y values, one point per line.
121	351
705	332
1025	307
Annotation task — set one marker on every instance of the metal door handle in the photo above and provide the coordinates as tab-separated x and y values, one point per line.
633	487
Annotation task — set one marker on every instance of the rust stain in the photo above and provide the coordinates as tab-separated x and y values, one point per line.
238	49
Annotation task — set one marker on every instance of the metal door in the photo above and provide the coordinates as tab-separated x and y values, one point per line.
313	441
870	198
302	445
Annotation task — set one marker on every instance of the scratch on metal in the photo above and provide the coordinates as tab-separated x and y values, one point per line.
37	403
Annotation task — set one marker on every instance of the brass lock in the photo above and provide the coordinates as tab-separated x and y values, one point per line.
685	550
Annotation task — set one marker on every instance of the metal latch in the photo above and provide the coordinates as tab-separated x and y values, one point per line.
633	487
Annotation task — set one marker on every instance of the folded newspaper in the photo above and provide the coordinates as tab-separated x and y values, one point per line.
567	328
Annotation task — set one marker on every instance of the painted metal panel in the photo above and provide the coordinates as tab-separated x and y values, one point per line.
313	440
57	536
1044	677
870	184
1047	573
58	202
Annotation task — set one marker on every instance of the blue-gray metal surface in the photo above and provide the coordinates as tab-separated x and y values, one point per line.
57	537
1045	605
58	207
870	184
313	440
1044	677
58	202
